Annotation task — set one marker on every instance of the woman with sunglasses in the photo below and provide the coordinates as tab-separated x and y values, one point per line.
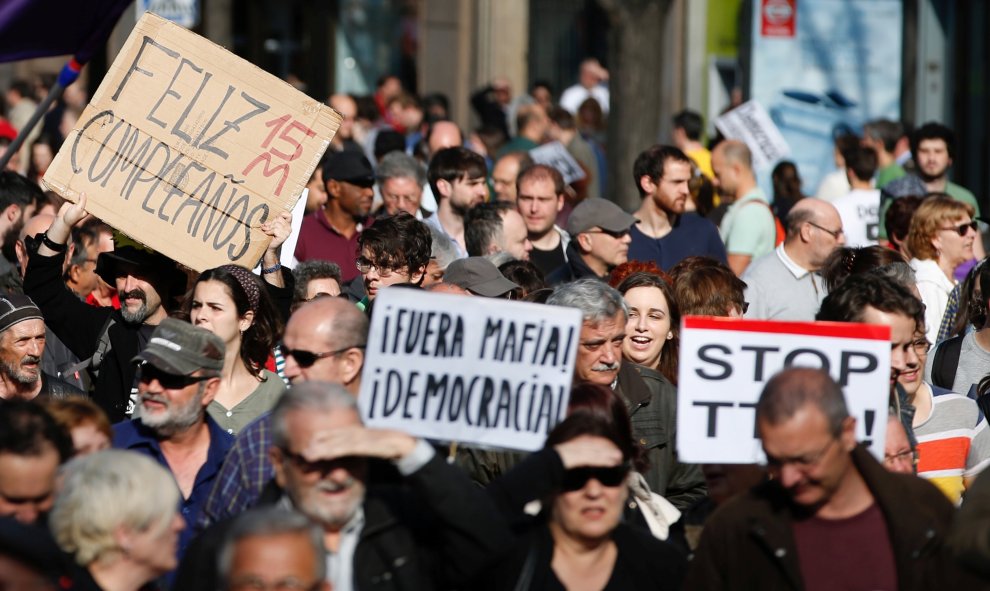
579	540
940	238
232	303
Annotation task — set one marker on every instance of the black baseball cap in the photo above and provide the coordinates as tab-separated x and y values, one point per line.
349	167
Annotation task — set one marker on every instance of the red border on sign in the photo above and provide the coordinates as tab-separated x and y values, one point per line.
876	332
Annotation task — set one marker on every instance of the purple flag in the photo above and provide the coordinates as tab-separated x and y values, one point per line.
40	28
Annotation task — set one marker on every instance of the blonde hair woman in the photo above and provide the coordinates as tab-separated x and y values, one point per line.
117	515
940	238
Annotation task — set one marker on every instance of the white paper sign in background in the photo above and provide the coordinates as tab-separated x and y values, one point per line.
475	370
725	362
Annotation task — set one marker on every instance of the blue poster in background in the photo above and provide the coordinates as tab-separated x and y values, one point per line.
839	69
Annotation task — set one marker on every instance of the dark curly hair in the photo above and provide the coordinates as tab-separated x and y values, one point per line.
399	241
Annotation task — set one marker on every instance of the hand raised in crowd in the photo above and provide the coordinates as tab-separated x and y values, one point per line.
358	441
69	215
279	229
588	450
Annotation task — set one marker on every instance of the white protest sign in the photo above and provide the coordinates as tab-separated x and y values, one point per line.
750	124
725	362
475	370
555	155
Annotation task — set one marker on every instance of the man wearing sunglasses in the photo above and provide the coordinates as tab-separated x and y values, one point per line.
785	284
435	531
830	516
599	232
178	376
323	341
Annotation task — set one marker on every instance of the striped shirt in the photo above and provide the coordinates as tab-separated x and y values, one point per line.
953	442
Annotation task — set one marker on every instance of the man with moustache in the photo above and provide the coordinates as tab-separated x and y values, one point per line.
457	178
178	376
22	344
144	280
395	250
394	514
649	397
665	233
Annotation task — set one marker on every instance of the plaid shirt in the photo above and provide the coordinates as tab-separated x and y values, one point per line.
244	474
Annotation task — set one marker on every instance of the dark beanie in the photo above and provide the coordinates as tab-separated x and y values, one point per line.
16	308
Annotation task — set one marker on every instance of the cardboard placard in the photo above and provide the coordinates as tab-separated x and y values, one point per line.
725	362
751	124
475	370
188	148
555	155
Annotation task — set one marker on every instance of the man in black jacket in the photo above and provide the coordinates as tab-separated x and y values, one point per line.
831	516
143	279
426	527
600	238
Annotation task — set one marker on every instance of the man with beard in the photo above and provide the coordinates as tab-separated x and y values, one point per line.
394	513
107	337
331	233
18	199
933	147
22	344
665	232
178	376
457	177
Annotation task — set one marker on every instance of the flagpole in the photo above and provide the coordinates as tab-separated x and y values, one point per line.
70	71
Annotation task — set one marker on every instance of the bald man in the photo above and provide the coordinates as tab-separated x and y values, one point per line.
748	228
785	285
344	138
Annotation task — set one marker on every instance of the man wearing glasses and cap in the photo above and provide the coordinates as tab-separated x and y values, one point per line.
178	376
599	231
331	233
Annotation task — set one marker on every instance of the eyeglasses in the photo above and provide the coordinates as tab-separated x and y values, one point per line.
148	372
921	346
805	462
890	460
616	235
364	266
250	583
833	233
961	229
577	478
306	359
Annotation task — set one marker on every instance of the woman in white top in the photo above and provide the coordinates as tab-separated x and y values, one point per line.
940	238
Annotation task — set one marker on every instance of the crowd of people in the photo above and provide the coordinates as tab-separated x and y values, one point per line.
161	428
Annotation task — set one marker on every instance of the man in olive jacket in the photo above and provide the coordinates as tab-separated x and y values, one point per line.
831	516
649	397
